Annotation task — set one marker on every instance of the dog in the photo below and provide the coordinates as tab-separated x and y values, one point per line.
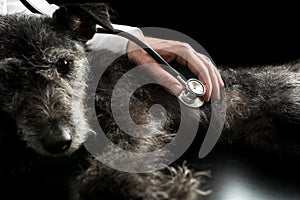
44	73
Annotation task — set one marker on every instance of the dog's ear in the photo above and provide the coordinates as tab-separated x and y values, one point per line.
81	19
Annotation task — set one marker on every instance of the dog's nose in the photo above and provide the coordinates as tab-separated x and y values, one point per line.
58	142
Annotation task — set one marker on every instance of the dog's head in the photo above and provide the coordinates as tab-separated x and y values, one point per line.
43	71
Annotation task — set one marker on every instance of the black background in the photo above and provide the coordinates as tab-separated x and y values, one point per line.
232	33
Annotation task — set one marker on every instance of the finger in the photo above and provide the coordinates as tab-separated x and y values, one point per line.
170	83
200	69
213	75
214	79
162	77
220	80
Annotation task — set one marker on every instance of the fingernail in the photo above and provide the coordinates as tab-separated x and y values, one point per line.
218	97
176	89
207	98
223	83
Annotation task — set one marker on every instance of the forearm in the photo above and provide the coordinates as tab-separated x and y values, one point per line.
114	43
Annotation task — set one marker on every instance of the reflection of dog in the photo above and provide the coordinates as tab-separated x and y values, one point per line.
43	78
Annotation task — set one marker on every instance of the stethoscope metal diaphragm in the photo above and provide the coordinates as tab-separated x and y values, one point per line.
192	94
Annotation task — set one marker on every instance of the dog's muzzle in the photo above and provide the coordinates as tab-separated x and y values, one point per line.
56	143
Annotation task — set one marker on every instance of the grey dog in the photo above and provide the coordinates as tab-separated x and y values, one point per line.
44	74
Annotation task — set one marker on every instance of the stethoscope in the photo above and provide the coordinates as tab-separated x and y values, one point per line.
193	90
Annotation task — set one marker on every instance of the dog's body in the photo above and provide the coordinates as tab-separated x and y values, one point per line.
43	78
262	106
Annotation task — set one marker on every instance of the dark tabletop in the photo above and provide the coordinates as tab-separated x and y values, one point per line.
237	175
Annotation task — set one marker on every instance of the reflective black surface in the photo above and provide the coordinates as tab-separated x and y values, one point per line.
238	175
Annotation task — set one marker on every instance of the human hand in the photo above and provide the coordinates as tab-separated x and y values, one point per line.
185	55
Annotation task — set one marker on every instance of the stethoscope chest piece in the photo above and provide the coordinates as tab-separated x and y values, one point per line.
192	94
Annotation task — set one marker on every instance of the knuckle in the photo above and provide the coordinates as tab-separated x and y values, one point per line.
206	57
181	45
185	45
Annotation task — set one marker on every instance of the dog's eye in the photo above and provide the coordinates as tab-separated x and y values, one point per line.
63	66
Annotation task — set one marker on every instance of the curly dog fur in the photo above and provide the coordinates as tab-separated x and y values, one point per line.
44	73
